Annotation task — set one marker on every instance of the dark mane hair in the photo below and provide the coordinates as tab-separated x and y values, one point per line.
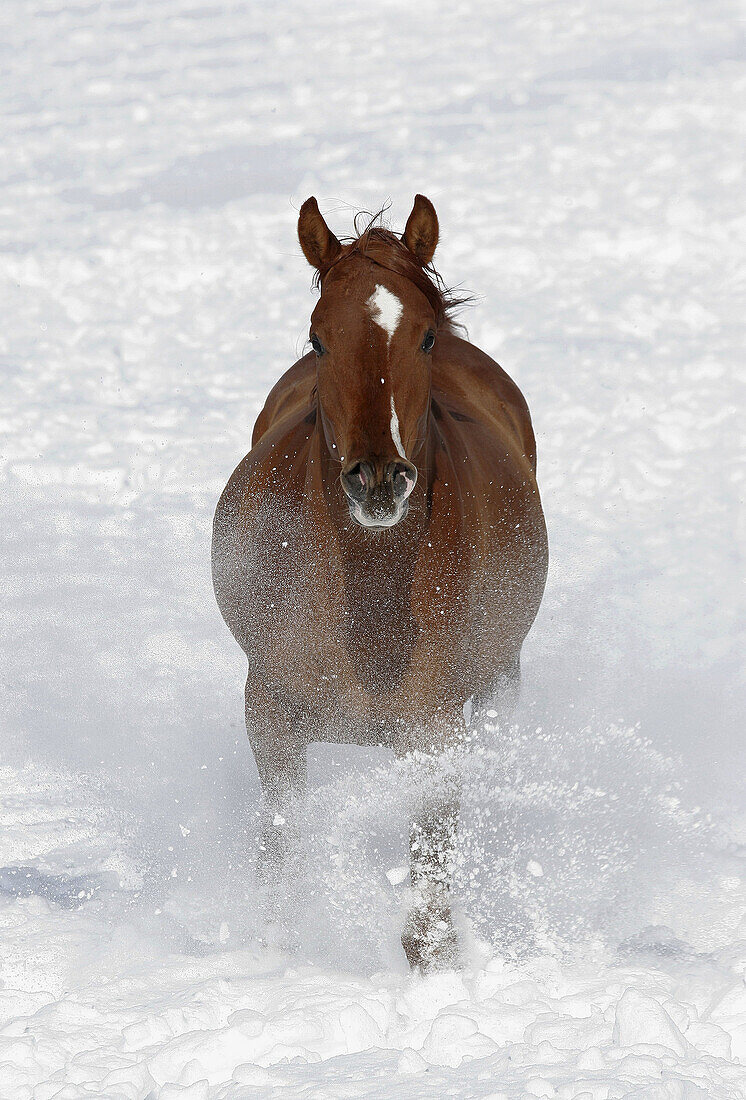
386	249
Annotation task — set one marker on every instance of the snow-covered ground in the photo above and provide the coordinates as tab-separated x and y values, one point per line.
586	161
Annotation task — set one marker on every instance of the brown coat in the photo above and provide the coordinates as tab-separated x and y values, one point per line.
374	637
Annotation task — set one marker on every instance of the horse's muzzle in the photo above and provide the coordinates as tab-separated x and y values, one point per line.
379	498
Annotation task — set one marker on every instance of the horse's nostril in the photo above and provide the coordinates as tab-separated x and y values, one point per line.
403	476
357	476
357	480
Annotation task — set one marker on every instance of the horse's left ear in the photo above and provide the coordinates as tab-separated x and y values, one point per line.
421	230
320	246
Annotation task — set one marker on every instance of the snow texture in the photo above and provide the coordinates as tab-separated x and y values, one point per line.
586	163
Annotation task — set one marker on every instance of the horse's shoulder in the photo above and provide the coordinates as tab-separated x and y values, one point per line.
275	465
474	387
291	395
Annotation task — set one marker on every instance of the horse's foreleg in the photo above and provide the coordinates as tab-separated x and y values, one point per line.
283	786
429	937
280	754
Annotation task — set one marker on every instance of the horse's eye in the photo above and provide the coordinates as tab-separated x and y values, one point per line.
316	344
428	341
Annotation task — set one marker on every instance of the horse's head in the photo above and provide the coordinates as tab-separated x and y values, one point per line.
373	330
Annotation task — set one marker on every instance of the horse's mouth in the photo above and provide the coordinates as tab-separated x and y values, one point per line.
378	520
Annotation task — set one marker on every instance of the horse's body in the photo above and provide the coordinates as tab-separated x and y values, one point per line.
394	635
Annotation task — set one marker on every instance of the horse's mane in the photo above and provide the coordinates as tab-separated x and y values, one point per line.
386	249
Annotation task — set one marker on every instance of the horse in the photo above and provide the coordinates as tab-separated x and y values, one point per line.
381	553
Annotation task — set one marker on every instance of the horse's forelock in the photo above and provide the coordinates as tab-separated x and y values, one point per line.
388	251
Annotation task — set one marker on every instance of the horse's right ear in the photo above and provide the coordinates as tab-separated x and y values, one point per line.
320	246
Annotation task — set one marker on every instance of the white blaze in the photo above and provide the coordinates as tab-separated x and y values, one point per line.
385	309
395	434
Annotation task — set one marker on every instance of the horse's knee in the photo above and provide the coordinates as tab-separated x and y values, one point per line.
429	937
280	756
273	850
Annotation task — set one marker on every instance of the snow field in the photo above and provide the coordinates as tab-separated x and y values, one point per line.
586	164
132	1021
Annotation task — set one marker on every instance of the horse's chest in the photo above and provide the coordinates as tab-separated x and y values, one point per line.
351	623
359	632
335	626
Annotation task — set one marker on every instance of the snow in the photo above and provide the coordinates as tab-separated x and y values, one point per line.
586	166
641	1021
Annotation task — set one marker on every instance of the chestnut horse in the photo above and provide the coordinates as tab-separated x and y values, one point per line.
380	554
